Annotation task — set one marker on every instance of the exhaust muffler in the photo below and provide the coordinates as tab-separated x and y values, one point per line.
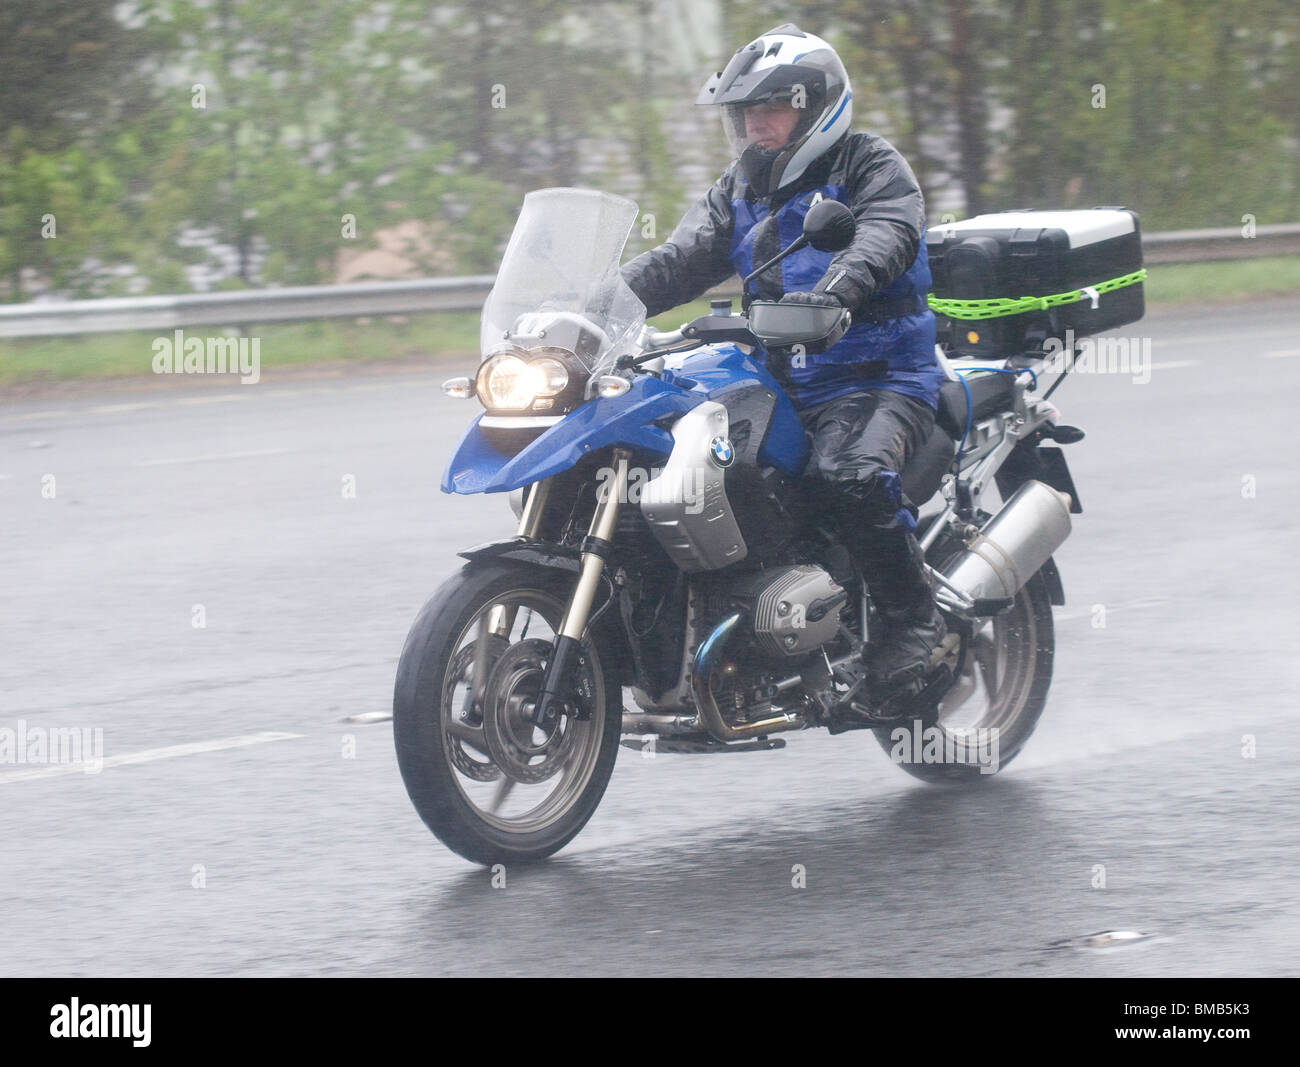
1011	546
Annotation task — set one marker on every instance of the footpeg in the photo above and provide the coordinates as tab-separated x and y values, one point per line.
902	704
1065	435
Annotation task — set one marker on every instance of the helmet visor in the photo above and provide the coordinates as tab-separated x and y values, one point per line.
774	125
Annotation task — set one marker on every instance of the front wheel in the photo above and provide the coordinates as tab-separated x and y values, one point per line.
493	787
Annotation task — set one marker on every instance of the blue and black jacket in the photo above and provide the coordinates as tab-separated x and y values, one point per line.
883	276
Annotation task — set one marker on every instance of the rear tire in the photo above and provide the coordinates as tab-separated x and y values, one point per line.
994	705
434	694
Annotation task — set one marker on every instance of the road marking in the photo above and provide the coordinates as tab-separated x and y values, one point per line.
56	413
1218	338
149	755
1123	605
221	398
1171	364
112	408
211	456
364	718
1283	353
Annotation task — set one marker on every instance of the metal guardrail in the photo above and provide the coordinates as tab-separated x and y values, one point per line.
423	295
51	318
1199	246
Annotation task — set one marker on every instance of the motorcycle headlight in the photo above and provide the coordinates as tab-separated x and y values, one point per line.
554	374
508	383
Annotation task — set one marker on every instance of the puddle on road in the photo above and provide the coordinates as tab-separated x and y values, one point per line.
366	718
1105	939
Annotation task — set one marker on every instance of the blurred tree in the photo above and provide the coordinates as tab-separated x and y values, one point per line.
1183	109
71	73
1162	106
179	140
280	140
522	94
67	68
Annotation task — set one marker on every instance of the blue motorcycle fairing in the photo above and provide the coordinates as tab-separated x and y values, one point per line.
714	367
628	420
474	463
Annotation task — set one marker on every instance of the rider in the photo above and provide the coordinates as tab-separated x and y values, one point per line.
868	401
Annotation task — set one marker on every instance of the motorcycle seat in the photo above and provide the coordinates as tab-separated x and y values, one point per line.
989	393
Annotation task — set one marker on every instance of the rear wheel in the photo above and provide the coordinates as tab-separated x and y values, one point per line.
995	702
493	787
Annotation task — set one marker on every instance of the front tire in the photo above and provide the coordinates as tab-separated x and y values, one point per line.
490	786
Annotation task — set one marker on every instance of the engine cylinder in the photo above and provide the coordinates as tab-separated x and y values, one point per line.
795	609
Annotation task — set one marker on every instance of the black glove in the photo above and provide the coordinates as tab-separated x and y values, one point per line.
822	300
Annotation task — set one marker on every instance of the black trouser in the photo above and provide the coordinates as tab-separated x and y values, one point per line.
860	445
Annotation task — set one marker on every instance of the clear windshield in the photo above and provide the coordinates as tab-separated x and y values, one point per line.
561	269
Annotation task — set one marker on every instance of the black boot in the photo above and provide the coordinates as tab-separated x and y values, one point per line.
894	566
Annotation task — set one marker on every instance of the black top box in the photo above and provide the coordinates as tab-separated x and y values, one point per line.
1016	254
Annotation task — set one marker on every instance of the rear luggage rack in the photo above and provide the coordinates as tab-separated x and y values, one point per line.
1006	284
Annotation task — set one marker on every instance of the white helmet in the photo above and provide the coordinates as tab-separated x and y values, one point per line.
783	65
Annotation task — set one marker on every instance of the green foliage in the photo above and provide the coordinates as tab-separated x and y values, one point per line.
68	72
1199	126
1187	134
447	113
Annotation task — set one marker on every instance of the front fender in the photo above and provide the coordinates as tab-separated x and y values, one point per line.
627	420
527	550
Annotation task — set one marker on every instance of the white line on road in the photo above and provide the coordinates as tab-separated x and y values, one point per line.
112	408
211	456
220	398
149	755
1123	605
1220	338
367	717
35	416
1283	353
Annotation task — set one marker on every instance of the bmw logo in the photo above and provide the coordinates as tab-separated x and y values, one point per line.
721	451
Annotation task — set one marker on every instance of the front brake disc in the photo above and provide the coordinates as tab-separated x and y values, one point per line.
512	738
461	669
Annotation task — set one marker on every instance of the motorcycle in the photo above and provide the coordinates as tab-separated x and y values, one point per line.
667	545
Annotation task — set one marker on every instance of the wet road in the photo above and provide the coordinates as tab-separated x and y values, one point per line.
283	842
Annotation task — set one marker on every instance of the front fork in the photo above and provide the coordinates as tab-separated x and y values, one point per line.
595	551
502	617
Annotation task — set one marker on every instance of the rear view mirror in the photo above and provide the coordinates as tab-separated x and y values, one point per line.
829	226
